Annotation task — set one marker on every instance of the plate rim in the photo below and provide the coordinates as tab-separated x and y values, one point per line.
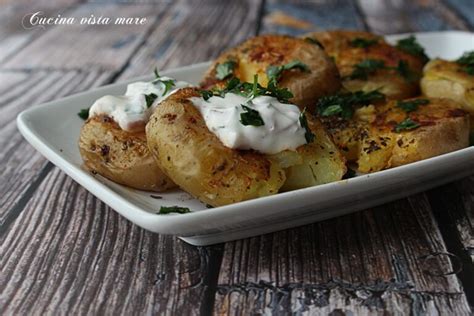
147	219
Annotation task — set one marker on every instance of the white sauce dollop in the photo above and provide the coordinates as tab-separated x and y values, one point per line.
130	111
281	131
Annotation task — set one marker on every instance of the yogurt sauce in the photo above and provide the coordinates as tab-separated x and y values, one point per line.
130	111
281	130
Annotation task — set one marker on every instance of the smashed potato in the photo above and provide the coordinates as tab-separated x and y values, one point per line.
448	79
366	63
196	160
120	156
318	76
401	132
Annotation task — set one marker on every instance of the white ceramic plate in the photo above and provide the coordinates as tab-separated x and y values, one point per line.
53	129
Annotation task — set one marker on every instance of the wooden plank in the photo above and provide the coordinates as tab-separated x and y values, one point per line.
91	47
371	262
12	35
290	17
194	31
21	165
391	259
463	9
388	17
69	253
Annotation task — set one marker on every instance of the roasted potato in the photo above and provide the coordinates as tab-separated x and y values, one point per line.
196	160
366	62
388	136
120	156
447	79
257	54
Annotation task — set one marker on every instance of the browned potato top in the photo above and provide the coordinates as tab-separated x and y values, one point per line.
255	55
389	79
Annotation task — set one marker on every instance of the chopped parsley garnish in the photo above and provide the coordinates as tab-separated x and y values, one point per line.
225	70
412	105
169	83
407	124
363	42
350	173
411	46
274	72
250	117
150	98
308	135
206	94
253	90
282	94
314	42
366	67
467	61
342	104
84	114
173	209
404	70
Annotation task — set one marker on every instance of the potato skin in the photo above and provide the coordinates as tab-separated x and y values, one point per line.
196	160
256	54
337	44
120	156
199	163
374	145
446	79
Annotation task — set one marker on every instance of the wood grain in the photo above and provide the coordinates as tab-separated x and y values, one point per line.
361	263
194	31
63	251
320	14
67	252
91	47
13	36
22	166
390	17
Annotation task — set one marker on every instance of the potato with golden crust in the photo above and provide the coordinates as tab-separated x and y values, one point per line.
366	63
449	79
257	54
196	160
120	156
401	132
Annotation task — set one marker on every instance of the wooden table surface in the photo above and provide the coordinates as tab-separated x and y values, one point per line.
65	252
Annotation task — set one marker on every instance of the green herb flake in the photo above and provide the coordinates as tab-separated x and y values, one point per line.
253	90
314	42
404	70
84	114
350	173
225	70
206	94
343	104
150	98
412	105
173	209
366	67
407	124
250	117
411	46
274	72
363	42
282	94
467	61
169	83
308	135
